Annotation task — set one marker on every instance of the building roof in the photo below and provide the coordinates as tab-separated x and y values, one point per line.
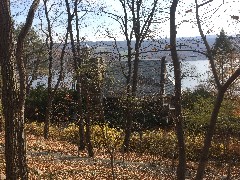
148	78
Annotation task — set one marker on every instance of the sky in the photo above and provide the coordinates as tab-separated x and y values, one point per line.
94	26
213	21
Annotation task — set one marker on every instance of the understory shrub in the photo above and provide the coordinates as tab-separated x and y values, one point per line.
155	142
64	104
148	113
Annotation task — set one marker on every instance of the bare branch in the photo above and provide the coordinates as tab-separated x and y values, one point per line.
20	63
209	52
148	22
231	79
204	3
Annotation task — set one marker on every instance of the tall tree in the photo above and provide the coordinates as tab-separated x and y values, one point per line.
226	59
77	64
52	90
177	96
221	90
13	97
79	56
135	25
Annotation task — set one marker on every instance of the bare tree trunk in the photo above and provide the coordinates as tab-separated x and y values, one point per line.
131	93
128	126
211	128
209	136
221	90
162	75
79	83
48	113
1	122
13	167
48	116
1	112
81	145
52	90
82	142
77	65
140	31
135	71
8	90
88	127
177	98
13	99
33	76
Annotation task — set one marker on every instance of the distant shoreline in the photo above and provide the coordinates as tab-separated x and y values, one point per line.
194	59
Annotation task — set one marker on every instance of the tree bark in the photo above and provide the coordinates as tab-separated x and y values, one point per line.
48	114
128	126
221	90
82	144
177	98
162	76
1	122
33	76
13	97
52	90
88	125
77	65
140	31
208	138
79	84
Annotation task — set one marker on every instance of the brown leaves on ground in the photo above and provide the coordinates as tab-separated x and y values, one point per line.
53	159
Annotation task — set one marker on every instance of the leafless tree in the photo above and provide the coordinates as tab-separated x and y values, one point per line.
177	96
221	90
79	56
135	24
51	90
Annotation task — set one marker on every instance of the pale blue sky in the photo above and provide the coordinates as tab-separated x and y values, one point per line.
94	26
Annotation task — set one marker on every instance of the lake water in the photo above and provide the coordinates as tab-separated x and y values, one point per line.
194	73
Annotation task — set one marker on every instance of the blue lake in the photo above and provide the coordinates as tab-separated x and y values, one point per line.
194	73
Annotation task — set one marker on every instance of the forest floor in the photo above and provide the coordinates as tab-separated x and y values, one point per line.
54	159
